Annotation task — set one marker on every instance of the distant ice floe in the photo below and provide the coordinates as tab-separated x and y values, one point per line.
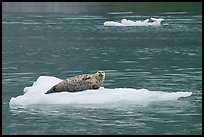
35	95
125	22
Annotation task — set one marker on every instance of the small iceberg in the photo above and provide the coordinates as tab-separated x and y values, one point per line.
35	95
125	22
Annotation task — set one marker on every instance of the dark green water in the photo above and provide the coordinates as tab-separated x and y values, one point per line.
159	58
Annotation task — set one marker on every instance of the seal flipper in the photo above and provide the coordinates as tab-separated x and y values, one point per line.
52	90
95	87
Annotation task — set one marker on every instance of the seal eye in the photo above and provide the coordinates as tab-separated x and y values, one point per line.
101	74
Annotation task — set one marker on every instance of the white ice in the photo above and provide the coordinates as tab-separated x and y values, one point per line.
35	95
125	22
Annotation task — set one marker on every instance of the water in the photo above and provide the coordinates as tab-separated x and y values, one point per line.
165	58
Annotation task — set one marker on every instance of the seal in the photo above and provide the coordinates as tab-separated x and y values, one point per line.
79	83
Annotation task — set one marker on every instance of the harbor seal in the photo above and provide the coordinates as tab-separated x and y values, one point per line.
79	83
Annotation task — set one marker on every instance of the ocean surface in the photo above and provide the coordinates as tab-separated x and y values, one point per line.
153	73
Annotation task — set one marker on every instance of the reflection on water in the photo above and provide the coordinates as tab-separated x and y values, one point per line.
80	119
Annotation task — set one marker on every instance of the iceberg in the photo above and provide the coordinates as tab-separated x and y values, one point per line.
125	22
35	95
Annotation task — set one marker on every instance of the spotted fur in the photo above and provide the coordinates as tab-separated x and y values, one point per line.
79	83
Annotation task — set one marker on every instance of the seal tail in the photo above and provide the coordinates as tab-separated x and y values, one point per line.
52	90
